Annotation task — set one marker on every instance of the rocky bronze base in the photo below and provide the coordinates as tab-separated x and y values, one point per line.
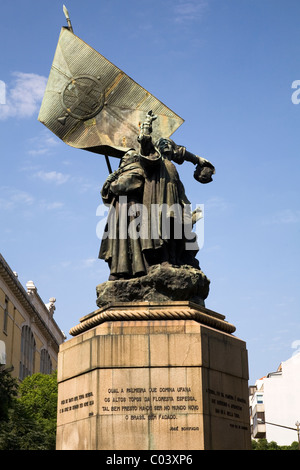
162	283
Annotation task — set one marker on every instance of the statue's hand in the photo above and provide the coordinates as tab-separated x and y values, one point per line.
146	126
112	177
151	117
202	161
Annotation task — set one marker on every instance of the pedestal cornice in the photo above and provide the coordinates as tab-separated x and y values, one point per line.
135	311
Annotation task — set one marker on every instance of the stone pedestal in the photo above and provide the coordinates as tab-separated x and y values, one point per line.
146	376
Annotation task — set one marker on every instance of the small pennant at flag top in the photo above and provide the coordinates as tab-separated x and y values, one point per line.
91	104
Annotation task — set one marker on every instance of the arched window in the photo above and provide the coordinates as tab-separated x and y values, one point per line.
27	353
5	315
46	364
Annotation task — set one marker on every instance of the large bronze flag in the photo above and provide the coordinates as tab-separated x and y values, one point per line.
91	104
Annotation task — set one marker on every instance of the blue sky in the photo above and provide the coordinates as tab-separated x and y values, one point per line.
227	68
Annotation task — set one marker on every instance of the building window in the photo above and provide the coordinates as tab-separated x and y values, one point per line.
46	364
27	352
260	416
259	398
5	315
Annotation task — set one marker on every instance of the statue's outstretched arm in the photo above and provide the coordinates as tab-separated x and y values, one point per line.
145	140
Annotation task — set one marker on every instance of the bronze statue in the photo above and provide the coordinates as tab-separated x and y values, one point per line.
148	243
147	193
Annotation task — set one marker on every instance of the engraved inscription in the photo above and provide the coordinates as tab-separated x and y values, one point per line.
151	404
228	405
79	401
167	404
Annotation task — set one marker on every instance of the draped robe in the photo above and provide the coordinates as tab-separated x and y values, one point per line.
146	195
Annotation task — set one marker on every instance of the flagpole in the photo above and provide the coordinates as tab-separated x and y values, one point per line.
108	163
68	18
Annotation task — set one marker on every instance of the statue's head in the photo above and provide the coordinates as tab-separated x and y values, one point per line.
128	158
165	146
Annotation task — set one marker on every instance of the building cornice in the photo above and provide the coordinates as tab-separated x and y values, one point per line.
22	295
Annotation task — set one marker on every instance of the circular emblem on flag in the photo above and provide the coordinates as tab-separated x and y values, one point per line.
83	97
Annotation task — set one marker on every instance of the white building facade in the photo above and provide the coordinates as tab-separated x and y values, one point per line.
275	404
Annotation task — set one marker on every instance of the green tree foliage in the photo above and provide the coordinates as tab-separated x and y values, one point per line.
263	444
31	418
38	395
8	392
